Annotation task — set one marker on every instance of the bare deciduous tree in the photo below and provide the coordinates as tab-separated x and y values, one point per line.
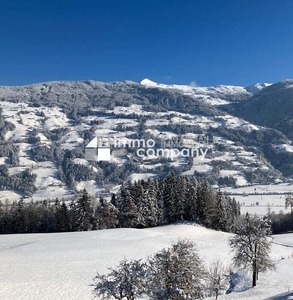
218	278
251	245
289	202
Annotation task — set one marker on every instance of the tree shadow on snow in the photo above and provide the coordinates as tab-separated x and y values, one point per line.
239	282
283	296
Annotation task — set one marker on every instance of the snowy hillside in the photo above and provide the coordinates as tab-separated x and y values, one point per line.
46	126
63	265
255	88
272	107
218	95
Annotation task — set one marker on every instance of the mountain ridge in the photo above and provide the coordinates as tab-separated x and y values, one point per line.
46	126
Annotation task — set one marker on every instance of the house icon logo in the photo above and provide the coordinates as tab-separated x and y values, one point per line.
99	149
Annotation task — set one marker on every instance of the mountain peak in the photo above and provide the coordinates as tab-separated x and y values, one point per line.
148	82
255	88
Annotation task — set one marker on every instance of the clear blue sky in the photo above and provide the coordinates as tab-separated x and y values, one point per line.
210	42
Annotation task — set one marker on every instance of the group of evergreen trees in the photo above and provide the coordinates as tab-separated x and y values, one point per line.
137	205
171	199
82	213
22	182
281	222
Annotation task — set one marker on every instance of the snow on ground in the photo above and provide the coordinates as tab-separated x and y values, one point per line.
225	173
140	176
63	265
51	193
257	199
10	196
46	177
276	203
90	186
156	122
284	148
202	168
55	118
16	170
270	188
235	123
151	166
3	160
240	180
132	109
82	161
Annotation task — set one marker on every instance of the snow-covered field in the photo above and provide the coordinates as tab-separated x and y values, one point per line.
259	199
62	265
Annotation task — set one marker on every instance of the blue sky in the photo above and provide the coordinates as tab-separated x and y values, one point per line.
209	42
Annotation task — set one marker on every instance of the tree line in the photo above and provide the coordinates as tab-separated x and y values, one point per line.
171	199
140	204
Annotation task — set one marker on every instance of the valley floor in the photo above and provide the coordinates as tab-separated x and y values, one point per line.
62	265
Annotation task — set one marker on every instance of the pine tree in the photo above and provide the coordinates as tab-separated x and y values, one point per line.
221	221
62	216
128	215
83	212
17	217
169	197
147	203
105	215
206	204
191	213
2	219
181	197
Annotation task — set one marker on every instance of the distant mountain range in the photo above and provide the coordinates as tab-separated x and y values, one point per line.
271	107
45	127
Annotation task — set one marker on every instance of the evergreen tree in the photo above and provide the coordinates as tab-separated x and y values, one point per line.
206	204
105	215
221	221
83	212
62	216
191	213
169	197
128	215
17	217
181	197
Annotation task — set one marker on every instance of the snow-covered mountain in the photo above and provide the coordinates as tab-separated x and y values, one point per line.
222	94
271	107
46	126
256	88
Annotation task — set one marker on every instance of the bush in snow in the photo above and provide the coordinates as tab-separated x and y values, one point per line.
124	282
176	273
